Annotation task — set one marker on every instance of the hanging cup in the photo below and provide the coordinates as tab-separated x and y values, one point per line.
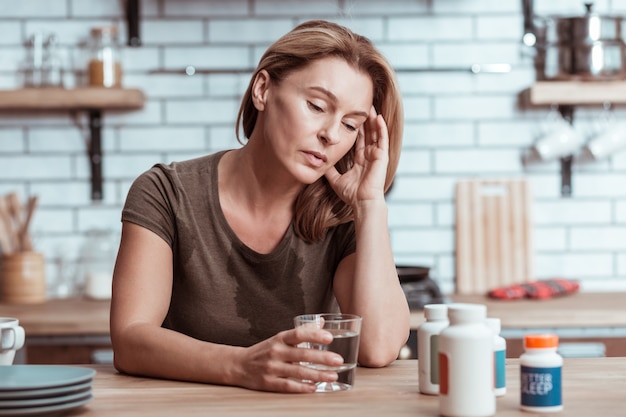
607	142
562	140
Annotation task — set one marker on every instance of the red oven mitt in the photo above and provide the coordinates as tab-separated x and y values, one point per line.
542	289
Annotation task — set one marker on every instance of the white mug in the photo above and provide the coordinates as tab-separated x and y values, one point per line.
607	142
561	141
12	338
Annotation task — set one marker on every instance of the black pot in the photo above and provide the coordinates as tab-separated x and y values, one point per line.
418	287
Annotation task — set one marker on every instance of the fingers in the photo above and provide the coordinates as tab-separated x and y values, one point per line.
360	138
278	364
314	342
288	377
312	353
308	332
372	127
302	380
378	128
332	175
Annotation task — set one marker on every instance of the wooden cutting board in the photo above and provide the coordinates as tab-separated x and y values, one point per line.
493	234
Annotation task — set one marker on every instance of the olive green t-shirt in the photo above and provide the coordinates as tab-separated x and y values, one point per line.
223	291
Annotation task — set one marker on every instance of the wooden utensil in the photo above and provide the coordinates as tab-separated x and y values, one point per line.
493	234
15	210
15	222
5	240
9	240
25	239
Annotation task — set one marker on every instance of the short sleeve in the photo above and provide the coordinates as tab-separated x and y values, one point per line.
151	203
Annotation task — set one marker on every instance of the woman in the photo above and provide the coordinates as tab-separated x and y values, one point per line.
219	253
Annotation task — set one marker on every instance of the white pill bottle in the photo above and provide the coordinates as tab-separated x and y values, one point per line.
436	316
466	368
540	374
499	356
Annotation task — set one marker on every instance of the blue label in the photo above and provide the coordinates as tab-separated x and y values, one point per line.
541	387
500	359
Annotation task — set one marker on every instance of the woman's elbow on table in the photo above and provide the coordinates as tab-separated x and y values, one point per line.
126	351
375	361
378	357
122	359
383	349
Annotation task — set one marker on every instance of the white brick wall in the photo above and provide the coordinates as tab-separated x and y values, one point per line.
457	124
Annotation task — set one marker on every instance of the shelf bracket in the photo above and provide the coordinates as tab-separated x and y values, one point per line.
566	176
95	154
567	112
132	20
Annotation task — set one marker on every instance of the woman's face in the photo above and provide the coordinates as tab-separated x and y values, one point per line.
311	119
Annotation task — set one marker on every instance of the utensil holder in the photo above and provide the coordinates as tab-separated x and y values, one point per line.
22	278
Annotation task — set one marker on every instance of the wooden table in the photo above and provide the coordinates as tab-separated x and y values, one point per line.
577	318
591	387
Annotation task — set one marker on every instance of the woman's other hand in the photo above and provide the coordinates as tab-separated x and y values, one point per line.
366	179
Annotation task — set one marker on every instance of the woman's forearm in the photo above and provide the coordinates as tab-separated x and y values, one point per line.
376	291
148	350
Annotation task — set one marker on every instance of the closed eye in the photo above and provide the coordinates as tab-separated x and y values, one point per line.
350	127
314	107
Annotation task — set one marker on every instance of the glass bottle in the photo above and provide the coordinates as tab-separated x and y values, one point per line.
33	65
97	259
105	68
52	67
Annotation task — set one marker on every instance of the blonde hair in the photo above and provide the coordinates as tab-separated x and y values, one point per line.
318	207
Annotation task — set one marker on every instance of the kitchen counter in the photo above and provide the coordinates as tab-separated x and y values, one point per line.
575	310
581	318
63	330
71	330
591	387
66	317
83	316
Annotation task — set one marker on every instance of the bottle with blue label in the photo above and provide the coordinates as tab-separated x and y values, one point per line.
540	374
499	356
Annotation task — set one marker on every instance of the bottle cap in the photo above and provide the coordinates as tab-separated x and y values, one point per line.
465	312
436	311
494	324
541	341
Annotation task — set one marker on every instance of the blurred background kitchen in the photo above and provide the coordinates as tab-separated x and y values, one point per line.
191	61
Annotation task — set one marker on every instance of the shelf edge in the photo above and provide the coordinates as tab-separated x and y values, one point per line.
59	99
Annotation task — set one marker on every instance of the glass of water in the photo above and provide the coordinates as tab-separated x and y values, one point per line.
346	331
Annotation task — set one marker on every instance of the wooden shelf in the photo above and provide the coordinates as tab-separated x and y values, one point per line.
83	98
93	100
566	95
578	92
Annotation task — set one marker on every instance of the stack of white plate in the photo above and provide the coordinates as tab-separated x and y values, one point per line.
30	390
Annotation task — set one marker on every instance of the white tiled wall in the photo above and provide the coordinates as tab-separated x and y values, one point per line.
457	124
